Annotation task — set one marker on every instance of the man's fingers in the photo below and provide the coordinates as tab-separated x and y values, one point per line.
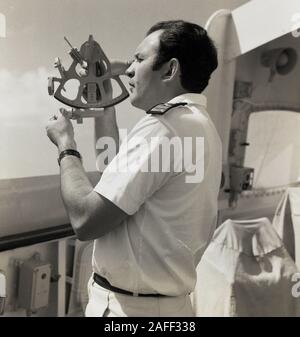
65	113
82	72
117	68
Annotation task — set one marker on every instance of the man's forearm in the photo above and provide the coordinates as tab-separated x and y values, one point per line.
75	185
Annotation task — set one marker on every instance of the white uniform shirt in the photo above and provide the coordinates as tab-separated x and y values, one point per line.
171	221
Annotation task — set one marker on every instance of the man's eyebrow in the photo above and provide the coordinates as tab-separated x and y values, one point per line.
137	55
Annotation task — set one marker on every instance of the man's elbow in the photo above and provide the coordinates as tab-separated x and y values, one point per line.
82	235
87	229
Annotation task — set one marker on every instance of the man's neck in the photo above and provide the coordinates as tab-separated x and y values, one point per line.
165	96
169	96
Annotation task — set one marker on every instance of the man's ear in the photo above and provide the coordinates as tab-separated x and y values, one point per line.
171	69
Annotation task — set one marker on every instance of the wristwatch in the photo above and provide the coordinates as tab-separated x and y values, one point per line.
68	152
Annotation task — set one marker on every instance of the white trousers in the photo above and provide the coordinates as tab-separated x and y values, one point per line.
105	303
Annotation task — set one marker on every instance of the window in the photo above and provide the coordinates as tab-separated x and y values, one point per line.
274	150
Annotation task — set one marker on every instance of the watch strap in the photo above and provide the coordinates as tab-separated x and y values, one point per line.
68	152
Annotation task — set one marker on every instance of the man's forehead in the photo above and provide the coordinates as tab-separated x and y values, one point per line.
150	44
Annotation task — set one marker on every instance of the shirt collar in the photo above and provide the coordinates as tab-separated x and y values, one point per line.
190	98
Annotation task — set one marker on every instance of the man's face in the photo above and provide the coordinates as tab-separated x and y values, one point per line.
145	84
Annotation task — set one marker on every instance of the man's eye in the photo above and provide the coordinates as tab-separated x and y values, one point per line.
129	63
138	59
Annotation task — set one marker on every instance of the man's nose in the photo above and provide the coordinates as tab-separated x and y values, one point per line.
130	71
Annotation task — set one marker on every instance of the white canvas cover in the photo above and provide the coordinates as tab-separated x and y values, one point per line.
286	222
246	271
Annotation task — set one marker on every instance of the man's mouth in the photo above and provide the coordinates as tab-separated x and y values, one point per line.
131	86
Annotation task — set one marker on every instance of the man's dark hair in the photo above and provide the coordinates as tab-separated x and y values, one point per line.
193	48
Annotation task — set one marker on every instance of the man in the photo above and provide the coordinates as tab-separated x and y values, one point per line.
150	227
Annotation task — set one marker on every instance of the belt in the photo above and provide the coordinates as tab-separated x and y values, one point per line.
102	282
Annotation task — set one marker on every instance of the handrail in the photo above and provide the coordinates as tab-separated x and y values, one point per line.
34	237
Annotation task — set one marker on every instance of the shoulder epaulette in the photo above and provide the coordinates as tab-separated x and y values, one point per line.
162	108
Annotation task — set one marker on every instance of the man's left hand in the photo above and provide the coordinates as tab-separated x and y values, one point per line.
60	131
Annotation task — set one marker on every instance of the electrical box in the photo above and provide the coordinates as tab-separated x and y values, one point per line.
34	284
241	178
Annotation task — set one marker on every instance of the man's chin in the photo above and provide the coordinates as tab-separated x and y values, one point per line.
135	102
139	103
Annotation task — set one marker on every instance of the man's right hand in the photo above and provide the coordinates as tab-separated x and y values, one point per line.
119	67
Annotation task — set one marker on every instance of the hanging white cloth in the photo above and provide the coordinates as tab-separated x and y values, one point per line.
246	271
286	222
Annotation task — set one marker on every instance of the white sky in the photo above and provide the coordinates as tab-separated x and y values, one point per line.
274	148
34	37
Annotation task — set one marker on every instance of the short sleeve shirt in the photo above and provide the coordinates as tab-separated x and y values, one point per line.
171	201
